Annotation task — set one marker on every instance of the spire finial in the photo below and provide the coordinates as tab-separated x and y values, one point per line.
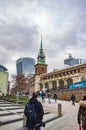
41	55
41	47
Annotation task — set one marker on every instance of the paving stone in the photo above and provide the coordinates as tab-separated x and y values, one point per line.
67	122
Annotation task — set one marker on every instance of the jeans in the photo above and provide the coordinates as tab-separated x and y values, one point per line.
37	128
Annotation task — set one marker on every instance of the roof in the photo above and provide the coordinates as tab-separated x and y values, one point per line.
2	68
65	69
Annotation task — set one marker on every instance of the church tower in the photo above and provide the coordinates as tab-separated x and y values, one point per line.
41	66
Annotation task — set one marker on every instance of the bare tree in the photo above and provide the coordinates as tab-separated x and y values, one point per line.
20	83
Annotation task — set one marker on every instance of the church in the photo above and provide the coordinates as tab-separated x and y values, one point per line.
63	82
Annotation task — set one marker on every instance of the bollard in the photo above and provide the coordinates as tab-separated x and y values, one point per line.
59	109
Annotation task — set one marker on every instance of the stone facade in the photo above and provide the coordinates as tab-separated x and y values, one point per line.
58	82
61	79
40	69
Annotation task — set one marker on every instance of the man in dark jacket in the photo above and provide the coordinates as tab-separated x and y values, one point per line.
73	99
40	112
55	97
82	113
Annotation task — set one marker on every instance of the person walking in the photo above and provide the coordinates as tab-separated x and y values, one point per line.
1	94
39	111
82	113
55	97
42	95
48	98
73	99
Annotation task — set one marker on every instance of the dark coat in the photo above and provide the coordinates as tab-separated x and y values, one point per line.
73	97
39	110
55	96
82	113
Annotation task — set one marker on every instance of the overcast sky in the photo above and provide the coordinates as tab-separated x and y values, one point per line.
62	24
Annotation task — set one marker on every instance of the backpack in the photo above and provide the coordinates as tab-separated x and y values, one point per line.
30	112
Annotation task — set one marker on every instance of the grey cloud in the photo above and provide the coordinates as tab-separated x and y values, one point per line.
5	56
14	33
15	38
14	2
79	4
60	44
18	37
82	23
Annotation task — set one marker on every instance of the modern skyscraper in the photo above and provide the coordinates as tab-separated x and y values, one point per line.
73	61
25	66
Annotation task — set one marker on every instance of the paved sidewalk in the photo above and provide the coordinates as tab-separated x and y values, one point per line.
67	122
69	119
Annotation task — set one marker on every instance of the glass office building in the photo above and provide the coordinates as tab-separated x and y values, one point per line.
25	66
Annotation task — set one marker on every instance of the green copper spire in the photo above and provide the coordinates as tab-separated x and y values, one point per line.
41	44
41	55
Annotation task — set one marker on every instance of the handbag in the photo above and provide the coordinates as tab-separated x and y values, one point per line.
80	127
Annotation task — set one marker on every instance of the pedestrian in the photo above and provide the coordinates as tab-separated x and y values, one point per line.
55	97
39	111
1	94
82	113
42	95
48	98
73	99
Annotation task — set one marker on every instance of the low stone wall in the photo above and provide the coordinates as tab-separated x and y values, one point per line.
66	94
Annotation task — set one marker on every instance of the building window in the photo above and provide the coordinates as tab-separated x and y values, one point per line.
42	69
36	69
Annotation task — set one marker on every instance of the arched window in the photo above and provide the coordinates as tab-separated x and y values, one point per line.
41	86
46	87
61	84
69	81
54	85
